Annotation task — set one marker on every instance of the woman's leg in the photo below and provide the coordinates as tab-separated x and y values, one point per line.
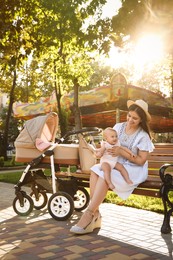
98	191
93	181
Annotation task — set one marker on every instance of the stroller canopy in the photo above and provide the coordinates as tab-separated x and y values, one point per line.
43	127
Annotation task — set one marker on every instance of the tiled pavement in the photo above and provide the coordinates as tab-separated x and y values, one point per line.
126	234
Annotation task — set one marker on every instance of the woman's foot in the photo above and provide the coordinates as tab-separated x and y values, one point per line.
85	224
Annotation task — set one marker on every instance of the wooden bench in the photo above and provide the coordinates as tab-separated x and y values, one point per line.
158	184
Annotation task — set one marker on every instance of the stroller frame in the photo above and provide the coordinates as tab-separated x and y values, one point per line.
67	192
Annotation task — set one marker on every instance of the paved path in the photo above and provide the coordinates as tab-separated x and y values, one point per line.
126	234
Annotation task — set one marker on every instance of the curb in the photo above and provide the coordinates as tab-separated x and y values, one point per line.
12	168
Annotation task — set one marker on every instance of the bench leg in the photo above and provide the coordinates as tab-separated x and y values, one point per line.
166	228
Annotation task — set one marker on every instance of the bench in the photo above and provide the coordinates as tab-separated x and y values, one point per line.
158	184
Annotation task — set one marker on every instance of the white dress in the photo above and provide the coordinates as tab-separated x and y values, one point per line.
138	141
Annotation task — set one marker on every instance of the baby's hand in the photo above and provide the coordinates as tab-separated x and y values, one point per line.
98	154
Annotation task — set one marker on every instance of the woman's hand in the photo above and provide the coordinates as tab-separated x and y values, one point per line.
115	151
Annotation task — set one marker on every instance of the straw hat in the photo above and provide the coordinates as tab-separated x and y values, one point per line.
142	104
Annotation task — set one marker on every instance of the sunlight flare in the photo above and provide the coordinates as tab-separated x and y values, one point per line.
149	49
142	56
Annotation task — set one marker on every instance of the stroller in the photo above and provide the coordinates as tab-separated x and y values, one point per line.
37	146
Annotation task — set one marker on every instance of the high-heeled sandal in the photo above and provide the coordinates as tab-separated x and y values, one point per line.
88	229
98	220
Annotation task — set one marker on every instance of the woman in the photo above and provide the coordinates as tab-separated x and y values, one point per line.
135	135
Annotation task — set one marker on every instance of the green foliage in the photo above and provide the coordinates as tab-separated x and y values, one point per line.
56	36
14	125
101	76
64	122
136	18
136	201
1	161
12	162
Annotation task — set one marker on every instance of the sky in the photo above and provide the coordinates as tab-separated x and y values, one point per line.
111	8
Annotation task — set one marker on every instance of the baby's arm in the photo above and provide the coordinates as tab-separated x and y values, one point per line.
100	151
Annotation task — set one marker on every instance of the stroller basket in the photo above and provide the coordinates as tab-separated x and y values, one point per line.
67	154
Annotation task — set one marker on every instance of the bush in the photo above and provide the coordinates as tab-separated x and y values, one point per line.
1	161
12	162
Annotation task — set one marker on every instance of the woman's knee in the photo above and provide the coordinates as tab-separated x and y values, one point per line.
93	175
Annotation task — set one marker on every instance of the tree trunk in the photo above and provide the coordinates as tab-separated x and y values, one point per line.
3	148
76	109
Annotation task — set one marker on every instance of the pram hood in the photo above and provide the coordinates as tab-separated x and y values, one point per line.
44	127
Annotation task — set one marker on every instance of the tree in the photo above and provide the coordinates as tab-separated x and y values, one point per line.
14	126
15	46
101	75
136	18
68	40
54	28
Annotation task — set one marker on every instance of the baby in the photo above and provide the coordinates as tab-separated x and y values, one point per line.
107	161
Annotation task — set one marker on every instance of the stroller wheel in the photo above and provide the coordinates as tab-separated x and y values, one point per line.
60	206
26	208
81	199
40	201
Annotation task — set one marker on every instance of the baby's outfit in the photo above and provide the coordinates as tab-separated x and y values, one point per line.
108	158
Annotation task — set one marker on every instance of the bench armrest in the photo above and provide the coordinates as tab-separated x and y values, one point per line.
166	178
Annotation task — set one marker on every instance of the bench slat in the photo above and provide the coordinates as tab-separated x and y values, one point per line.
156	165
150	193
150	184
160	157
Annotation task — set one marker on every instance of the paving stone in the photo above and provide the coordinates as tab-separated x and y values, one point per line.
126	234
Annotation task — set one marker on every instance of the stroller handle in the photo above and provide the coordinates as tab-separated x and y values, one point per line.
88	130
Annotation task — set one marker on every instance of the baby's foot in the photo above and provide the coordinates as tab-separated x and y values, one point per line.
129	181
111	186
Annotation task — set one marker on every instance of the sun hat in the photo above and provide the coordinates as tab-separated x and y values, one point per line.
142	104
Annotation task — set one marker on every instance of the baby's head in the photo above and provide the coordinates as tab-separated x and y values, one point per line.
110	135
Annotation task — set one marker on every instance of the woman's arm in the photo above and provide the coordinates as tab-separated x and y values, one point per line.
124	150
139	159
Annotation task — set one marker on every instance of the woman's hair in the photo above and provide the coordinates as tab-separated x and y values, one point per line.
144	122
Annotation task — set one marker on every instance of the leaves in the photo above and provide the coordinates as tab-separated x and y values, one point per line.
45	45
137	17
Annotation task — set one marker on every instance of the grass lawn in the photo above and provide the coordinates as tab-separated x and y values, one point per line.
141	202
11	177
136	201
